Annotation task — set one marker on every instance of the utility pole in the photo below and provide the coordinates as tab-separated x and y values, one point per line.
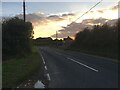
56	39
56	35
24	16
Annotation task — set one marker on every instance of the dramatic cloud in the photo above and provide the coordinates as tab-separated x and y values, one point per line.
100	11
109	13
112	22
34	17
55	18
46	25
74	28
70	30
94	21
116	7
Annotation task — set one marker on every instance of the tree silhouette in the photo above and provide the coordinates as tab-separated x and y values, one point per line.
101	38
16	36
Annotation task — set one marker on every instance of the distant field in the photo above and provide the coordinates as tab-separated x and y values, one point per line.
15	71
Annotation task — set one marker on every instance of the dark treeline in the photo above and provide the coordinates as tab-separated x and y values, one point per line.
101	39
16	37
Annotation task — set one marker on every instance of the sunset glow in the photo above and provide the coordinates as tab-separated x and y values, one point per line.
47	18
46	30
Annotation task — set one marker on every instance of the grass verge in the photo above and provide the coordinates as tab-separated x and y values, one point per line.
15	71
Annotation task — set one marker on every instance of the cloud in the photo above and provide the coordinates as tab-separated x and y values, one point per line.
33	17
55	18
115	7
69	14
71	30
100	11
94	21
47	25
112	22
41	14
107	11
74	28
41	18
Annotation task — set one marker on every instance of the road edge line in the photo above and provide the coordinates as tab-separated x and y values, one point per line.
48	76
83	64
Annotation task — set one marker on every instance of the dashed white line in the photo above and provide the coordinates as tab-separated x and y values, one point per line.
42	58
83	64
48	76
45	67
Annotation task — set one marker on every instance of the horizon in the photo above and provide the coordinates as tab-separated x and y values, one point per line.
49	17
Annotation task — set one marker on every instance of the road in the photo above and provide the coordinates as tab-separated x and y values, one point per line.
76	70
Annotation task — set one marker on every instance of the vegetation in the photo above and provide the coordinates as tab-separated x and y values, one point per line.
100	40
20	58
16	37
16	70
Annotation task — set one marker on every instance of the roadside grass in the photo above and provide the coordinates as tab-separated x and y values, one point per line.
15	71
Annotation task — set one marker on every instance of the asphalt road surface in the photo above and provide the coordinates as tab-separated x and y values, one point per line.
78	70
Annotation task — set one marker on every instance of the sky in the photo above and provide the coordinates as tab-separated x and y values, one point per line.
49	17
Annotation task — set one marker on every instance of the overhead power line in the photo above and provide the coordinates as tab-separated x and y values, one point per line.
86	12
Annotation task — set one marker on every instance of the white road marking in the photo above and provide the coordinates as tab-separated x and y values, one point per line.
45	67
83	64
39	84
48	76
42	58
